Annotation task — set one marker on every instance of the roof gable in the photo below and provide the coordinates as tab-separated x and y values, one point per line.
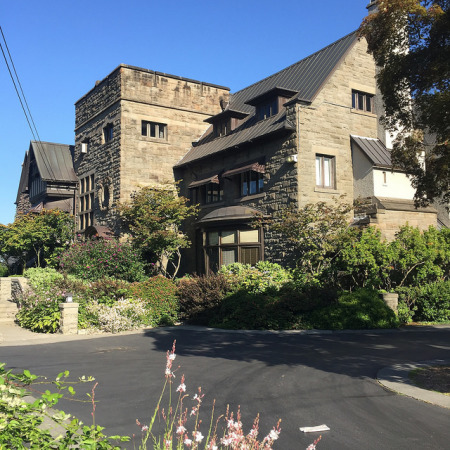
54	161
303	79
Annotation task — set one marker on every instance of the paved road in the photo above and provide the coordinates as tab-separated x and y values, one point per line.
306	380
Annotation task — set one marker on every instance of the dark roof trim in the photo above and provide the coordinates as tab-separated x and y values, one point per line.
255	167
274	92
214	179
230	213
375	150
226	114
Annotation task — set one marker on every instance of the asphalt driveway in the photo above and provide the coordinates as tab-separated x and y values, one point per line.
306	380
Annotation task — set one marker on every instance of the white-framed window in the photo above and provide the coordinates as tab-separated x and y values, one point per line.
154	129
325	171
362	101
86	201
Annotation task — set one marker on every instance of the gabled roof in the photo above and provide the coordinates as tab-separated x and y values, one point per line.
375	150
303	79
54	161
23	183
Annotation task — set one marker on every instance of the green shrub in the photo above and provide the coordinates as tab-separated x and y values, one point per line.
39	311
361	309
261	277
245	310
40	279
107	291
199	296
97	259
427	303
4	272
159	295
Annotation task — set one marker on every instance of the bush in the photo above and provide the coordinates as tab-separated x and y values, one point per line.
427	303
107	291
123	315
4	272
361	309
199	296
97	259
261	277
42	279
159	296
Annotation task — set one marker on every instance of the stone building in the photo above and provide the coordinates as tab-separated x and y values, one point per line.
47	180
130	130
286	141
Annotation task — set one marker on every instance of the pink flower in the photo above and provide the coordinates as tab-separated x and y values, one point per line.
181	388
188	442
181	430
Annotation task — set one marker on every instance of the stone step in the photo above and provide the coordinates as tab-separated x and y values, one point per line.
8	311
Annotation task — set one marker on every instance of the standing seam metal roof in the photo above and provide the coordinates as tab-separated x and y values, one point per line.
375	150
304	77
54	161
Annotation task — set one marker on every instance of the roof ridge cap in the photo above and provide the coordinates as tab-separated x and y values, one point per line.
298	62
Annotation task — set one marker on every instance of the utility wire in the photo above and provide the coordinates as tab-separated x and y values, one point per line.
28	116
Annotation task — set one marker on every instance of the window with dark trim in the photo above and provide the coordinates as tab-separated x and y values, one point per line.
214	192
86	202
229	245
265	110
252	183
325	171
362	101
154	129
108	133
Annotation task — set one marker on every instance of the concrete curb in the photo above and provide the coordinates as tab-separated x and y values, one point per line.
396	379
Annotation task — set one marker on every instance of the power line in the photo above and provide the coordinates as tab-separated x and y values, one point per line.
28	116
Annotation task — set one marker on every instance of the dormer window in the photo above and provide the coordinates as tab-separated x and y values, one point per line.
271	102
226	121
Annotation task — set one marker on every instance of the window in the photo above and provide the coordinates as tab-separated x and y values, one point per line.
154	130
265	110
325	171
362	101
86	202
251	183
108	133
228	246
221	128
214	192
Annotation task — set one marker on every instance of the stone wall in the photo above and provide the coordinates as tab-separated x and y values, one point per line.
325	126
23	204
124	99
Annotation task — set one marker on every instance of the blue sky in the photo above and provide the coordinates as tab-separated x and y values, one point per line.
60	48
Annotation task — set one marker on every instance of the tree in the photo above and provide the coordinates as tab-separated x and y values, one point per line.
410	42
36	237
315	232
153	218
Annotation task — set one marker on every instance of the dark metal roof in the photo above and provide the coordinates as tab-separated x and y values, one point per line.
213	179
255	167
375	150
305	78
54	161
225	114
230	213
247	132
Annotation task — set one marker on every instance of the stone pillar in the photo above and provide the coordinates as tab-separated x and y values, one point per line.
391	299
5	289
69	318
